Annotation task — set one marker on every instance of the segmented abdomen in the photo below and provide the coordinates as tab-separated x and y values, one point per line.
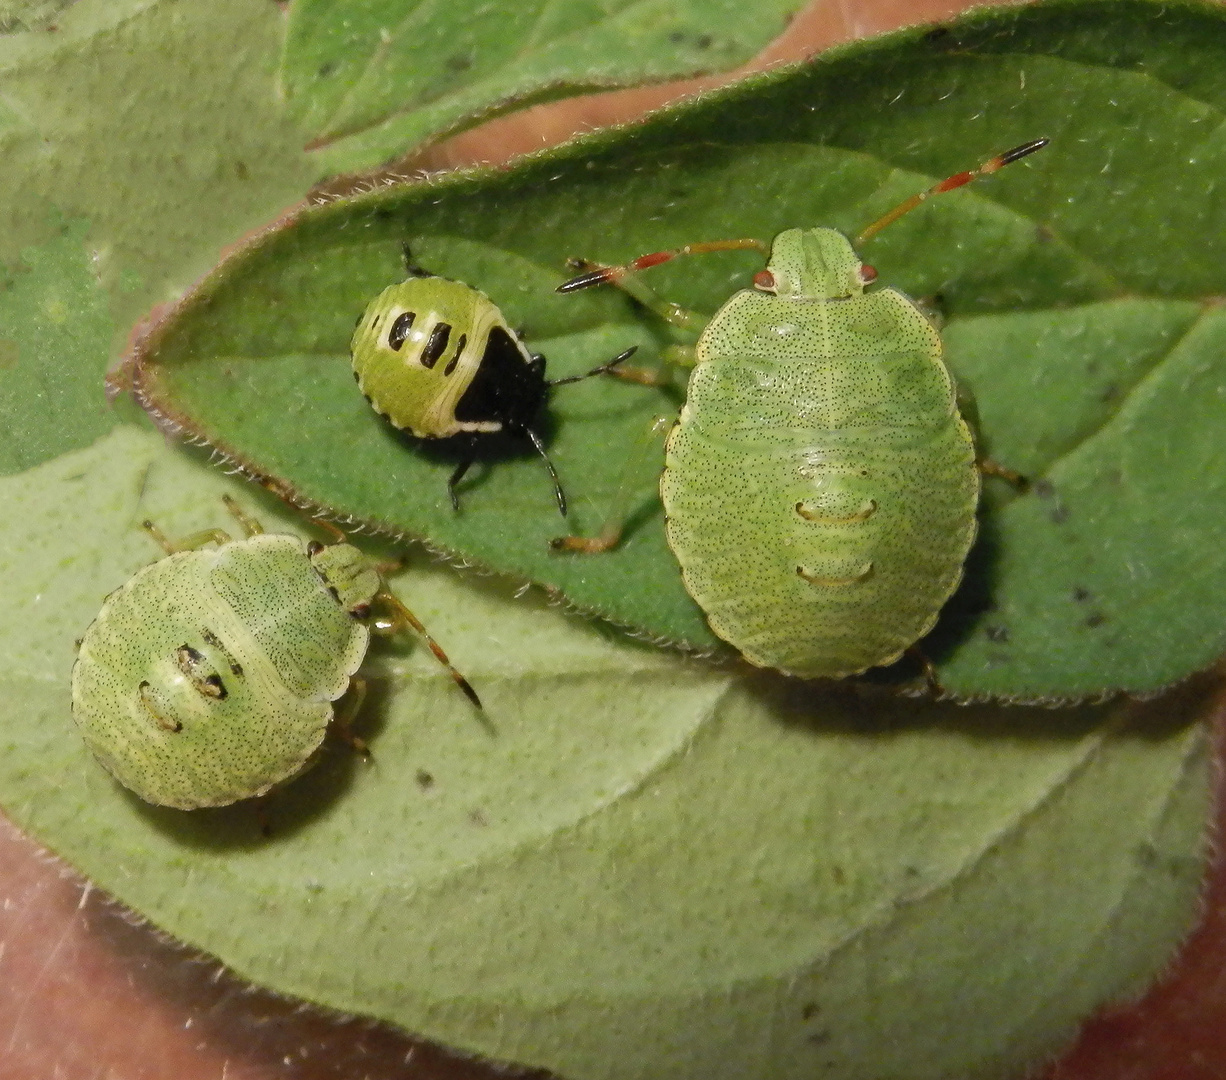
820	551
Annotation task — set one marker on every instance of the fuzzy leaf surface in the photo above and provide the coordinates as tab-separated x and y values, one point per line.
1080	292
139	137
371	81
639	866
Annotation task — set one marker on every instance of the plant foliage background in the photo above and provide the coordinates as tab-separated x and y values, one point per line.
755	877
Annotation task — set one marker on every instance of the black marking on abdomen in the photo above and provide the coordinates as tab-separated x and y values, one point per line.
212	639
459	351
146	699
436	345
194	665
400	330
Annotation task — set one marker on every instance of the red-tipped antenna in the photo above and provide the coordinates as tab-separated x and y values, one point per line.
949	183
601	274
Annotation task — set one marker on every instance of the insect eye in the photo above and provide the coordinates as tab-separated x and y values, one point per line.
764	280
868	274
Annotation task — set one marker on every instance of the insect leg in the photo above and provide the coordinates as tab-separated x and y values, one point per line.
539	447
346	712
994	468
930	671
188	543
969	409
403	617
411	267
456	476
628	485
250	526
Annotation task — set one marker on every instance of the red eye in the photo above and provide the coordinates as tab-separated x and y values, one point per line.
764	280
868	274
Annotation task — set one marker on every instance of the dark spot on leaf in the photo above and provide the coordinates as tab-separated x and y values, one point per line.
676	37
810	1010
836	872
459	62
477	817
705	41
1043	489
325	70
425	780
1080	594
241	170
1097	619
999	634
819	1037
1109	392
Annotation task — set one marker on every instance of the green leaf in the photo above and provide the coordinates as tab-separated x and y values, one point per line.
642	866
18	15
1081	291
371	81
154	129
52	308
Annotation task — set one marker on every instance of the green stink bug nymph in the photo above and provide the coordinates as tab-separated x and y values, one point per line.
820	485
211	675
436	358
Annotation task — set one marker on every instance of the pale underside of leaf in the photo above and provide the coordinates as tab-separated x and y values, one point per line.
732	868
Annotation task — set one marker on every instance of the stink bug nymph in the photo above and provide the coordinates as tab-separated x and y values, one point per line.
820	485
437	359
211	675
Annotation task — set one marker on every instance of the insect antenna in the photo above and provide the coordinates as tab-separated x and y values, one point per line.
411	268
949	184
602	274
596	370
539	447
